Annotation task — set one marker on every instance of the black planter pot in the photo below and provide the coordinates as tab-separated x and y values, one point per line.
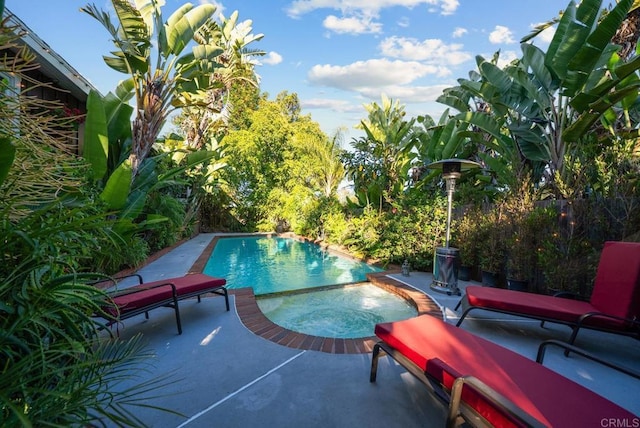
489	279
517	284
464	273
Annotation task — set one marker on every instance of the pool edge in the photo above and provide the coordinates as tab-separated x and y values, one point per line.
255	321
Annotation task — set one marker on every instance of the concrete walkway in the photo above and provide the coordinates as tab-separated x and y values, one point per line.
220	374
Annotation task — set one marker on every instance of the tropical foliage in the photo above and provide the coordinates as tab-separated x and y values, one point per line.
56	367
380	161
556	132
164	73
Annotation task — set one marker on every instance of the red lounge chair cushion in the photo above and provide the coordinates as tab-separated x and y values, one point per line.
185	285
446	352
537	305
617	284
139	299
192	283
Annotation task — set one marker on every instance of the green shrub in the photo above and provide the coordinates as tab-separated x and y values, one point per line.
410	230
164	234
55	367
335	224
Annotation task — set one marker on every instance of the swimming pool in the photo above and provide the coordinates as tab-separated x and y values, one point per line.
347	312
303	288
276	264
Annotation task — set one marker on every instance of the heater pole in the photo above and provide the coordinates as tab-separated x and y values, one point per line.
445	266
451	188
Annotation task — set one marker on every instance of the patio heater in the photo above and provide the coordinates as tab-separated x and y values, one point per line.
446	263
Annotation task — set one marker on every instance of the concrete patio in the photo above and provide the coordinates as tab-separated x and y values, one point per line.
222	374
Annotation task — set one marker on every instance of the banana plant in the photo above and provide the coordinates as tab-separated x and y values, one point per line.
204	112
154	54
478	132
106	148
390	138
546	103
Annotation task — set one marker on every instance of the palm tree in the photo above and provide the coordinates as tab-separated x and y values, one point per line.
325	170
210	115
168	78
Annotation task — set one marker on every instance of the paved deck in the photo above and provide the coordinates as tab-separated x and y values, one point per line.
224	371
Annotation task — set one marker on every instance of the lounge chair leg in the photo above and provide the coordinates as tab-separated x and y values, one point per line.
374	362
572	339
464	314
458	305
177	309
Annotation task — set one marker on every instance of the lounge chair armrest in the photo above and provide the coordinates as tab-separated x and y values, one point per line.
136	275
457	407
543	347
588	315
102	281
140	288
106	282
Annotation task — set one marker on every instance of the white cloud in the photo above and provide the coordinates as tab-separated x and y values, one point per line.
459	32
331	104
351	25
449	6
271	58
406	94
429	50
371	73
501	35
298	8
506	57
403	22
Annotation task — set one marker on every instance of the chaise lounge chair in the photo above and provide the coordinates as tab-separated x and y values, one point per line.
145	296
487	384
614	305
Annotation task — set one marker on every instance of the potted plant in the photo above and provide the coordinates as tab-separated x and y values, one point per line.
520	260
466	240
521	248
491	247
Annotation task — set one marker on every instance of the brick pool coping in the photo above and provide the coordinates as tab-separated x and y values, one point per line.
254	320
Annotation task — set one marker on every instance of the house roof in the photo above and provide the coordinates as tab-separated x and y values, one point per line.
51	63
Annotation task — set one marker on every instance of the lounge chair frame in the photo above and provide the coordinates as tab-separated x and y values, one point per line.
460	411
575	326
614	305
542	348
170	302
457	408
446	375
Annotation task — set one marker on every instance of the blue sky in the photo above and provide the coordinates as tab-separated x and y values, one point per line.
337	55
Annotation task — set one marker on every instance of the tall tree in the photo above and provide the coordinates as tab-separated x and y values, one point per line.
164	75
381	160
210	117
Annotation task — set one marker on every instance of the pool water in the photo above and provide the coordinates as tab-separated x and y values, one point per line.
348	312
273	265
